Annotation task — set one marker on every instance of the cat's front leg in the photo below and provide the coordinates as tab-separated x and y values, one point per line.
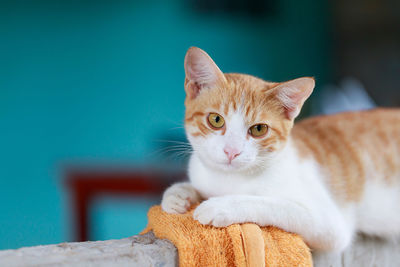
179	197
321	225
219	212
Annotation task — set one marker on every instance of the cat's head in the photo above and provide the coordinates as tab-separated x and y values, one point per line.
235	122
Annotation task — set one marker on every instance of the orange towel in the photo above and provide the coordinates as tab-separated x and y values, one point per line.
245	245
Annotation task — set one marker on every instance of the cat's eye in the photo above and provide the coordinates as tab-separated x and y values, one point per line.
258	130
215	120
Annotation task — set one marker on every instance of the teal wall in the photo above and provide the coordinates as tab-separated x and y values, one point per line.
85	82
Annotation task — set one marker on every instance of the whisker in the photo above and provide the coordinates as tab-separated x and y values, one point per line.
173	141
166	150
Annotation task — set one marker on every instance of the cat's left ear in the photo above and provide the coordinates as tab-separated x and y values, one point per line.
201	72
292	95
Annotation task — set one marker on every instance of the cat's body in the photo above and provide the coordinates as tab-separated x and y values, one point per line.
325	179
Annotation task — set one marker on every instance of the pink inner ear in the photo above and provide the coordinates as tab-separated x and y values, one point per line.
292	100
201	71
200	67
193	89
292	95
296	98
292	113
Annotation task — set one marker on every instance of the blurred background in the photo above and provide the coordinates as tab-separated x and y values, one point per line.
91	95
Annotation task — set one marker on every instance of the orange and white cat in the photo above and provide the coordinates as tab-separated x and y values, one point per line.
326	178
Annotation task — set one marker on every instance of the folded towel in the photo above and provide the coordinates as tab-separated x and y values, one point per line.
236	245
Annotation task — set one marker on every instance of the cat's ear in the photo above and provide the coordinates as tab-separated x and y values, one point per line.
201	72
292	95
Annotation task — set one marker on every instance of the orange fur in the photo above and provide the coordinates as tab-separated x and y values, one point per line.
347	145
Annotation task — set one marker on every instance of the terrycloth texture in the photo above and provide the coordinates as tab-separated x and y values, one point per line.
236	245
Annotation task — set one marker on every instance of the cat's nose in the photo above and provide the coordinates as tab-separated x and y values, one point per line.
231	153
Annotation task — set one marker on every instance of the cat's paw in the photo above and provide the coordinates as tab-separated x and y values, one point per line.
178	198
216	212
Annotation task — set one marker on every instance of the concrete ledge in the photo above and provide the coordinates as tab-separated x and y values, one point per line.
144	250
147	250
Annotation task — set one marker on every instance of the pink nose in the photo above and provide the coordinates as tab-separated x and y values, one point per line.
231	153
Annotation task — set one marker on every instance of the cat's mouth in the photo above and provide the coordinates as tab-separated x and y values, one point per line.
231	165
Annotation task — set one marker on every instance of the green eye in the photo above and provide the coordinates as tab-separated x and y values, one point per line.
258	130
215	120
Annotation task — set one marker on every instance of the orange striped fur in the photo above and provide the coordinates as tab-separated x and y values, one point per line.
348	144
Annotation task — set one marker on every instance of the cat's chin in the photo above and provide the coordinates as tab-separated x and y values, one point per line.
228	167
246	170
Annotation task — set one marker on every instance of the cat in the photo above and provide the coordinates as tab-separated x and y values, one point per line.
325	178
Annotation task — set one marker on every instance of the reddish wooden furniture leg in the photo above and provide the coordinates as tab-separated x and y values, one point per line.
82	199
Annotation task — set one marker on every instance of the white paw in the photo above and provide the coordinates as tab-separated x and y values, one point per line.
178	198
216	212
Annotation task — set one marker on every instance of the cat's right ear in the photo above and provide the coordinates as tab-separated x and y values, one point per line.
292	94
201	72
